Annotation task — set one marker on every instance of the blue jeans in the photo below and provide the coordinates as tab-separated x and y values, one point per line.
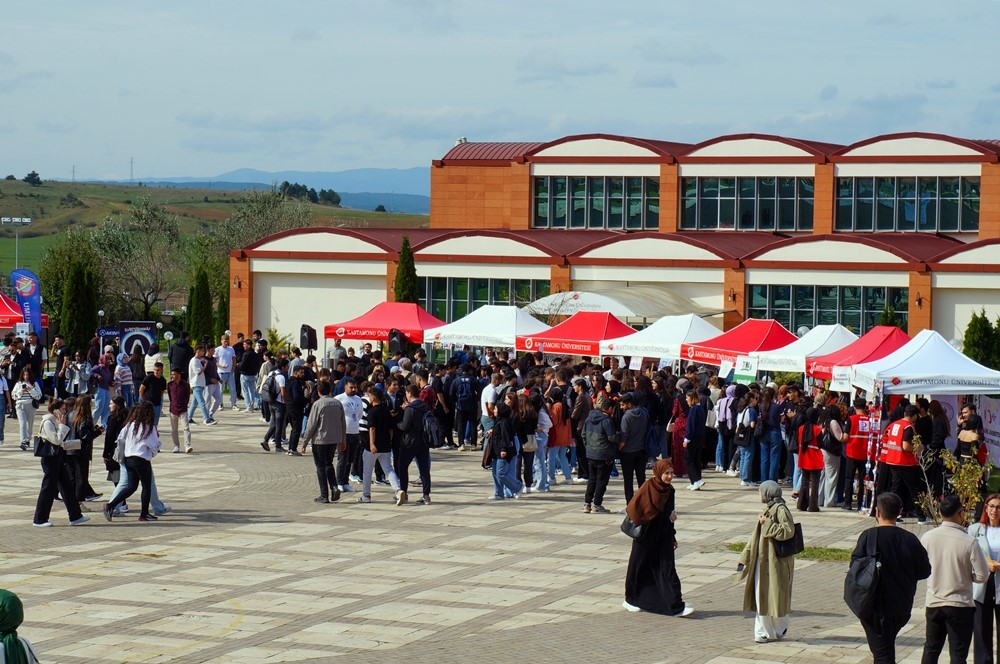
249	386
3	414
229	380
746	456
157	410
770	456
128	394
154	498
660	431
539	467
559	460
720	452
505	477
797	473
101	411
198	400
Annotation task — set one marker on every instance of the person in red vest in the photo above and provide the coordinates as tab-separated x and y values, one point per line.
810	461
904	469
857	453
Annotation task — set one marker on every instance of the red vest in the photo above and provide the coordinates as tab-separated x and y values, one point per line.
857	444
892	443
810	455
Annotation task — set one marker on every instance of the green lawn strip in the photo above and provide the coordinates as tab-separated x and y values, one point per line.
826	554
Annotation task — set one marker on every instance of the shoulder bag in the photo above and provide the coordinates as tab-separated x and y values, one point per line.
791	546
829	443
670	424
632	530
44	448
862	579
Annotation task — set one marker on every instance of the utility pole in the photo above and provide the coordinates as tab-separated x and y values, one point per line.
131	168
74	174
17	223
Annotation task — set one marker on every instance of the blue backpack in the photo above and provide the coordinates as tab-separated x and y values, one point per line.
465	394
432	430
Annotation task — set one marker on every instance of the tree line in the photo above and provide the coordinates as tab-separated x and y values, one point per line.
301	192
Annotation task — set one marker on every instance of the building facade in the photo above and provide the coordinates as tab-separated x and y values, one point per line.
805	232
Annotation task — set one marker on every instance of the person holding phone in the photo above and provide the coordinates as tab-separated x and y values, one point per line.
25	396
55	475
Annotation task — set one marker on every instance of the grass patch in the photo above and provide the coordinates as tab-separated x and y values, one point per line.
824	554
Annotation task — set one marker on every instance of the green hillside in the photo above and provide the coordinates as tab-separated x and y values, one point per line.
57	206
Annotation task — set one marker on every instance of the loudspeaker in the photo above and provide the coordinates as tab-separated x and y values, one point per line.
397	342
307	338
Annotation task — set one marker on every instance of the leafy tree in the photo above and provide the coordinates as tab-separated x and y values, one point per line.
33	179
142	256
11	177
312	196
981	341
53	272
888	318
405	287
222	315
78	319
201	320
275	340
329	197
380	208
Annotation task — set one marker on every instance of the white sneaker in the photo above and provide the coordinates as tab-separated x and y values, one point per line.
690	487
82	520
742	483
47	524
177	448
731	473
346	488
236	408
688	610
628	607
188	449
697	485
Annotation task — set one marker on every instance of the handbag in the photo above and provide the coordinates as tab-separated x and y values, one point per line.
711	420
791	546
530	445
670	424
632	530
44	448
828	443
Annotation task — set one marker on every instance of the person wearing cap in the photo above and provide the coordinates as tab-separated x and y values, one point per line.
14	649
600	437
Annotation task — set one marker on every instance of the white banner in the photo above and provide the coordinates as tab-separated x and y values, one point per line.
989	410
746	370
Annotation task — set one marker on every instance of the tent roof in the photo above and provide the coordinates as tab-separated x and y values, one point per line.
489	325
410	319
10	313
820	340
926	365
663	338
580	334
751	335
876	343
625	302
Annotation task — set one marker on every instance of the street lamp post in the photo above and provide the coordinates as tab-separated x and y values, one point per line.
100	314
17	223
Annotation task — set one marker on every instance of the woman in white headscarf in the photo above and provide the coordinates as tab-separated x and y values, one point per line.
768	578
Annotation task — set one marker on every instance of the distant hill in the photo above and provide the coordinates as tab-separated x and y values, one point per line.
415	180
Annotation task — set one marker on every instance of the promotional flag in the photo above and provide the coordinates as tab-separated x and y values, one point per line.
28	289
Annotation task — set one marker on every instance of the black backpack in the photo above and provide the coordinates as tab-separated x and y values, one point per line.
861	583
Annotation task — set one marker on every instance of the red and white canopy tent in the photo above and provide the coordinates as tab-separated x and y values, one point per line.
375	325
580	334
873	345
10	313
749	336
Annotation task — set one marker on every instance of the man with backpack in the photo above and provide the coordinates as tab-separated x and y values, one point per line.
903	562
465	396
417	416
273	390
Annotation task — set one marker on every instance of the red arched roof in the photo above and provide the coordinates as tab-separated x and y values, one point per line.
911	247
724	244
963	247
987	148
526	239
815	148
327	230
498	151
665	149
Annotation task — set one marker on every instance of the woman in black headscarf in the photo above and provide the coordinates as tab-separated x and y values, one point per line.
651	582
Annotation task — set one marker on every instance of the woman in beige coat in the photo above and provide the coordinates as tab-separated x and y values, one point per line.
768	578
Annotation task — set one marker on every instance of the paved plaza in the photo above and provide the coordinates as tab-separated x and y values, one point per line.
248	569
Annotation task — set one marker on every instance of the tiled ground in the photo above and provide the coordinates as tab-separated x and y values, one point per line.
248	569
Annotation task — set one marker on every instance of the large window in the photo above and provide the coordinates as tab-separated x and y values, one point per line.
856	307
451	298
615	203
747	204
932	204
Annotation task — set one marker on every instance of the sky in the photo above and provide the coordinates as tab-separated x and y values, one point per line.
198	89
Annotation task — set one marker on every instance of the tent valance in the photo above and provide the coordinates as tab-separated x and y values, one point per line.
489	325
10	313
663	338
580	334
928	364
749	336
820	340
375	324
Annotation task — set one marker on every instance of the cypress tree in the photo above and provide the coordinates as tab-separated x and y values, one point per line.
200	315
79	306
405	287
980	341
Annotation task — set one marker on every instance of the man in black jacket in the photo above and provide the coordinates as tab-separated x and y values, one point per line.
181	354
413	445
694	439
632	447
249	367
295	407
904	563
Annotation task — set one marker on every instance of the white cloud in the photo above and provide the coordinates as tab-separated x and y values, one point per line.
651	79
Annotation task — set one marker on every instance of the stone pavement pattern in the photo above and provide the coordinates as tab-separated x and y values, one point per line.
248	569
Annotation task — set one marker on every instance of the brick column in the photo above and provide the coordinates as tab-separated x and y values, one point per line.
989	202
733	284
919	316
670	191
559	279
390	280
240	295
516	204
824	202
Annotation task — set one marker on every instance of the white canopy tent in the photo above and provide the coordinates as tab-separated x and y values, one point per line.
927	364
820	340
489	325
663	338
624	302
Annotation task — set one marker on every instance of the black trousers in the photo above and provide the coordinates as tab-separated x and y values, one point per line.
265	410
692	459
597	481
139	471
906	483
809	491
408	454
345	458
526	467
55	478
987	619
956	623
79	470
855	470
582	467
881	631
325	472
466	419
276	428
633	465
295	417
